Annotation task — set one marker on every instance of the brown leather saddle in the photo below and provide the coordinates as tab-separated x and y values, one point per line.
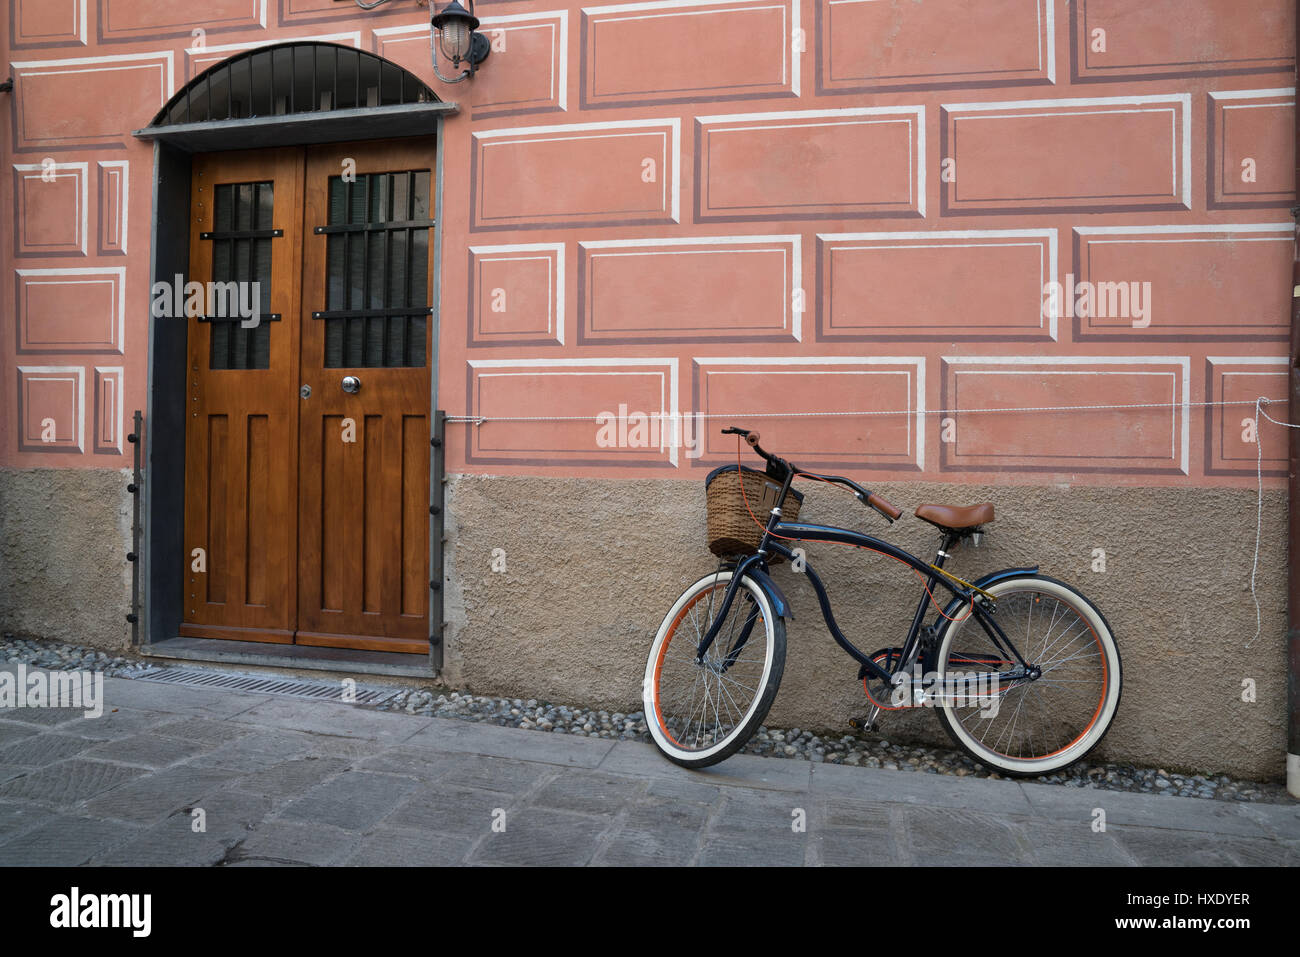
956	518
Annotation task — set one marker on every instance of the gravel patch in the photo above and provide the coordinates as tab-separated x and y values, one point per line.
873	750
55	656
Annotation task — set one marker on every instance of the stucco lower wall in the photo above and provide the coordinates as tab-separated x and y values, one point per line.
64	535
591	566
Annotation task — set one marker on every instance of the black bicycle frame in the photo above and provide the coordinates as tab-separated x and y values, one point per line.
777	532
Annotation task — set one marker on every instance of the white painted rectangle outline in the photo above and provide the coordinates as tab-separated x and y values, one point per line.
917	361
259	20
529	134
1059	108
1049	234
558	17
83	197
915	165
796	257
1286	93
79	25
670	364
1282	361
124	208
790	64
1284	231
1049	40
77	374
164	59
558	281
116	375
101	271
1183	362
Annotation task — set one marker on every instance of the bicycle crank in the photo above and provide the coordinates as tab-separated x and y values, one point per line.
866	724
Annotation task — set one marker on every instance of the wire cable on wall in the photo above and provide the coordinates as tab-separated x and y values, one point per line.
595	419
1258	403
1259	503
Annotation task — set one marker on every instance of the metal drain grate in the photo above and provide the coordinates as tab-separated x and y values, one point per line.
291	687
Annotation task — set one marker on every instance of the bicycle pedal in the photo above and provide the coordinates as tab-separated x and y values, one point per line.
865	724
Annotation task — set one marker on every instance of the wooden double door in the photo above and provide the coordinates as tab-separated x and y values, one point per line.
308	442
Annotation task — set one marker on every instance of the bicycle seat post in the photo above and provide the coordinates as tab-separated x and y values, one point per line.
946	543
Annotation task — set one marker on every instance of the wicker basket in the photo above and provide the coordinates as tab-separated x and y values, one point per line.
731	528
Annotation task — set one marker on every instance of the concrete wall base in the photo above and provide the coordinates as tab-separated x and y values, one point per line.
64	535
592	566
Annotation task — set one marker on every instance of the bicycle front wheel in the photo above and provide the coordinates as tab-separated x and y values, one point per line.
1025	726
702	710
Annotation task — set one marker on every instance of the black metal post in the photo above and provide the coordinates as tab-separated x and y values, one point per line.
1293	519
133	556
437	537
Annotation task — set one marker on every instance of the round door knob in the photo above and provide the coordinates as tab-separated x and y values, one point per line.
351	384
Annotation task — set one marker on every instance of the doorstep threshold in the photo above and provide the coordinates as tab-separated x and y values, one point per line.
222	651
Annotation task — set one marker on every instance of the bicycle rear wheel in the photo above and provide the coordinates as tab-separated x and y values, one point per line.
1029	726
701	711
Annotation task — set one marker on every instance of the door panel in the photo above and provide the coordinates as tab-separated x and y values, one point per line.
241	436
312	506
364	476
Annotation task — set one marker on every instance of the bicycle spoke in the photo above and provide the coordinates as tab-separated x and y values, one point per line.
1037	717
702	702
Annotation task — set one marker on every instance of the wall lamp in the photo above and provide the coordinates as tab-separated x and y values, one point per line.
455	27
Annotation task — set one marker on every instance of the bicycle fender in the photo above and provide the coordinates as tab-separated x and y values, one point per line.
956	604
772	591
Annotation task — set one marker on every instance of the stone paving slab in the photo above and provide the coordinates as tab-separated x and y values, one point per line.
543	837
207	777
1155	810
11	731
170	843
41	717
389	846
739	770
151	751
290	778
65	783
913	787
451	735
64	841
292	842
344	721
116	723
351	801
150	797
450	810
231	812
16	817
260	749
42	749
176	699
204	730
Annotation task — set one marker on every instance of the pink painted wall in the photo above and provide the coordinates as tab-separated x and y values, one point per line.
757	205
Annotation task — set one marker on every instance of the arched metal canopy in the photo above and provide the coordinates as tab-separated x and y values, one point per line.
296	93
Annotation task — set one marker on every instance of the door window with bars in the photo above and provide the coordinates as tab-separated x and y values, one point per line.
377	257
241	253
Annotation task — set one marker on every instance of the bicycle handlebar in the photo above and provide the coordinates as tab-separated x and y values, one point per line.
863	495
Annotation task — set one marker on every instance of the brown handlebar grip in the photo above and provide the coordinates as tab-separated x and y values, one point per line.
752	438
878	503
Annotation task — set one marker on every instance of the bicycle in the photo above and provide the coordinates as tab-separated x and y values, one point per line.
1045	699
